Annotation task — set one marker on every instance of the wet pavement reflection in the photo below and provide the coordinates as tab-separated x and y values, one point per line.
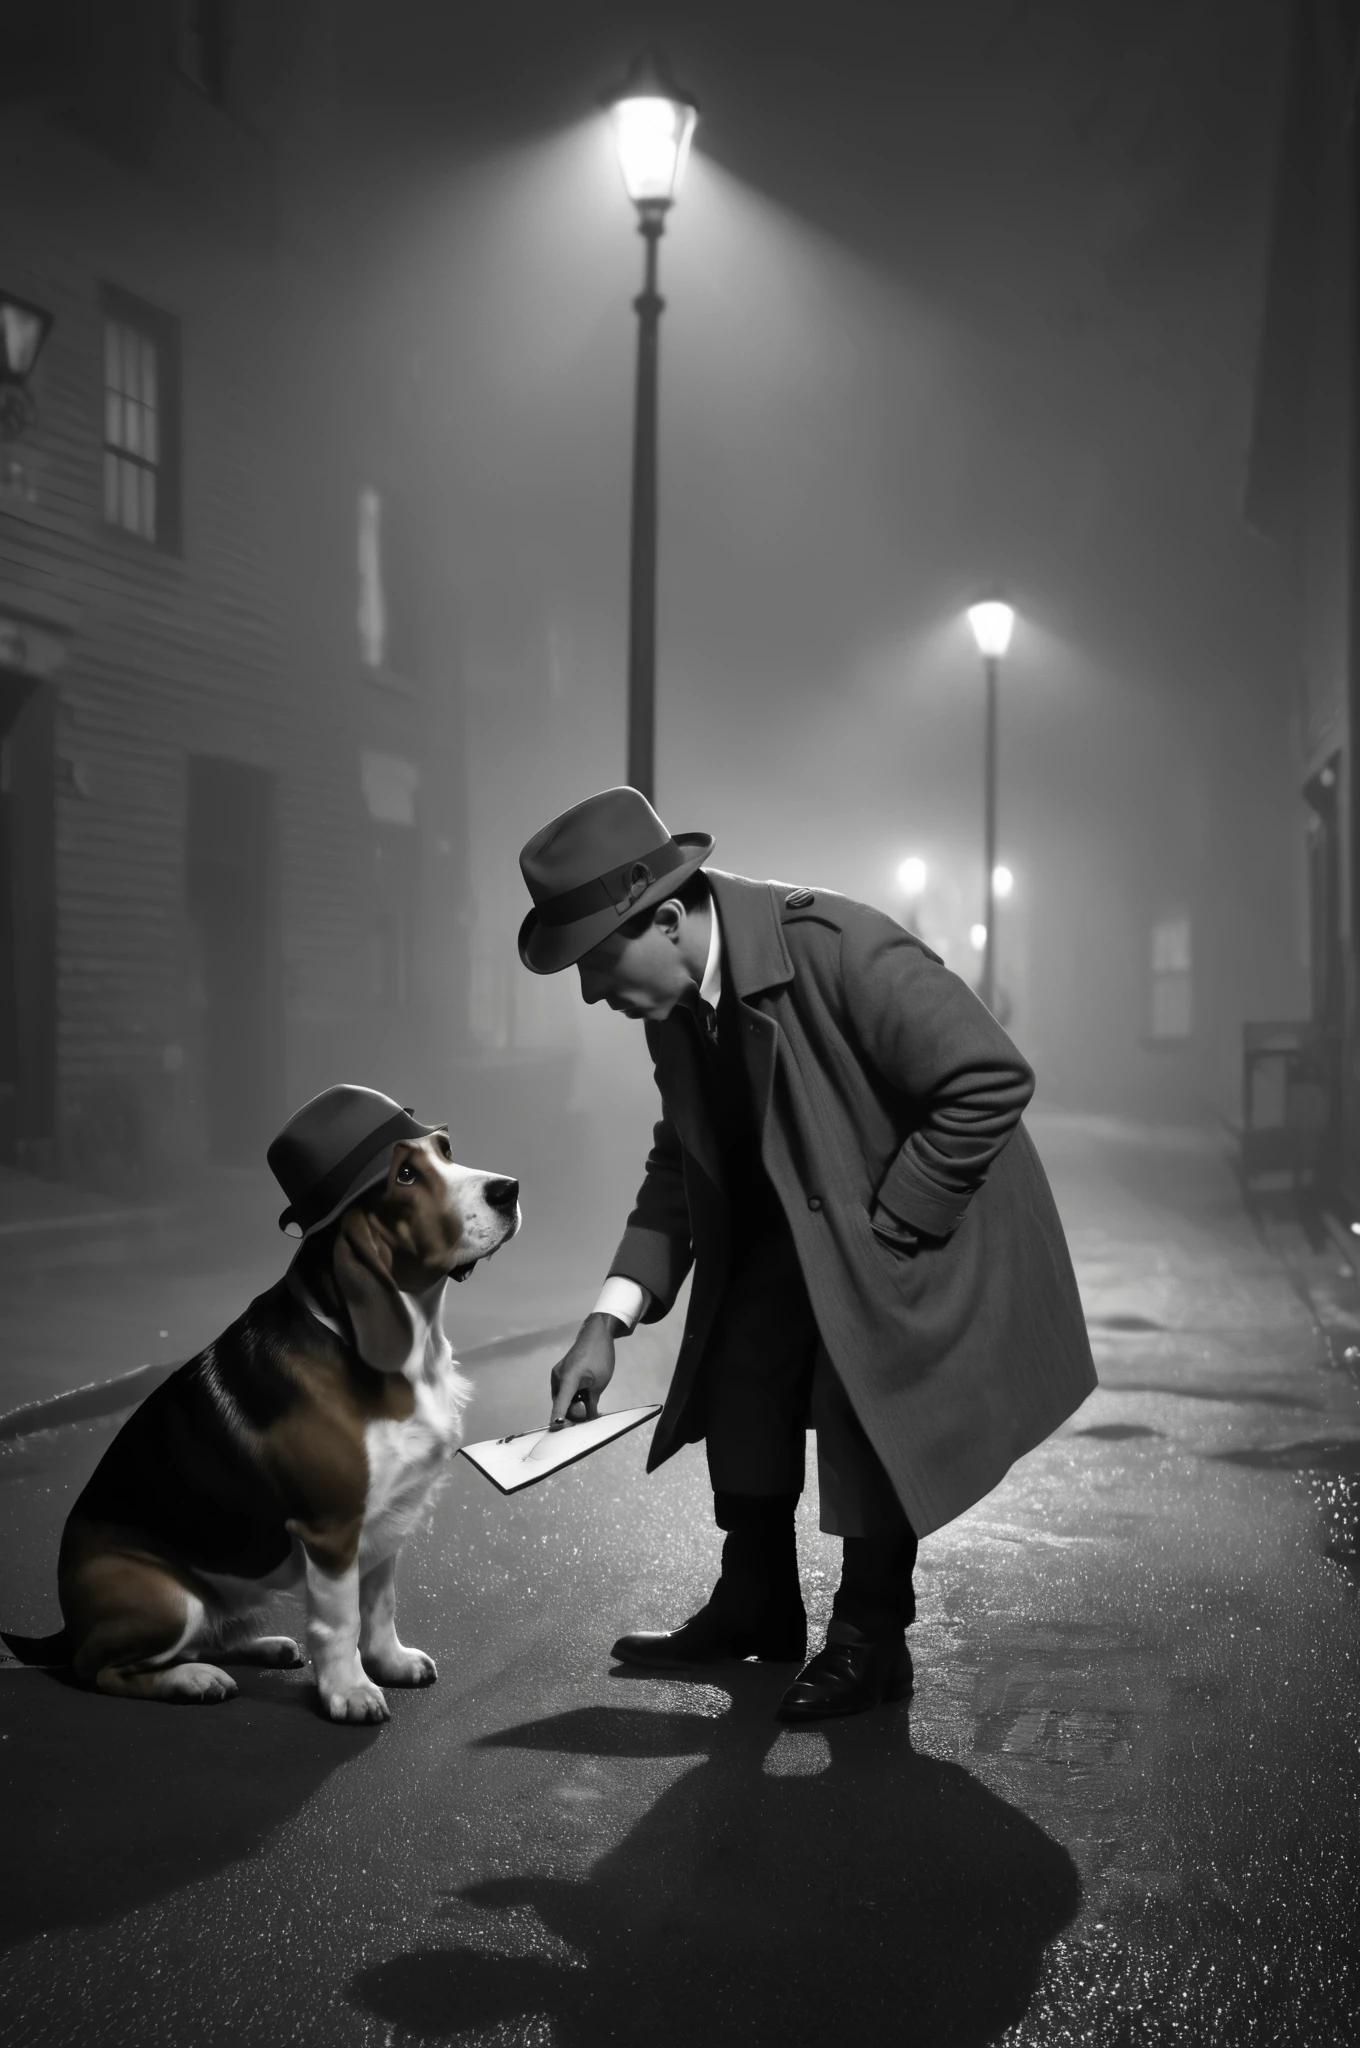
1119	1809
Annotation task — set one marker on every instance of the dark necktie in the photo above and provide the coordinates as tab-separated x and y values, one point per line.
708	1023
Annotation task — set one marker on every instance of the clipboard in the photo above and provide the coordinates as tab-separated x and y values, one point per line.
513	1462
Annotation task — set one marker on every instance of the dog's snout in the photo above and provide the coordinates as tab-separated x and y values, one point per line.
502	1194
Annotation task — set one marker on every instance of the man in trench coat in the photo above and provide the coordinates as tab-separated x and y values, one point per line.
876	1250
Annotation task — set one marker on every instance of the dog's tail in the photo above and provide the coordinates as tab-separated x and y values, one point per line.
39	1649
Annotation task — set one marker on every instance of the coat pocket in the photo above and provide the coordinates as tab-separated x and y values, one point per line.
902	1243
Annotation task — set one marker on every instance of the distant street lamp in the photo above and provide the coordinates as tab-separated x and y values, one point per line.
653	123
992	623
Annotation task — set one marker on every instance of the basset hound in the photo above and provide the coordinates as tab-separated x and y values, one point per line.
298	1449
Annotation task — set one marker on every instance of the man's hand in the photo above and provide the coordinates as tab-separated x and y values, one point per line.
586	1370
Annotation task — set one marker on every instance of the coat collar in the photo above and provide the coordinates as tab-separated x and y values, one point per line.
754	953
754	957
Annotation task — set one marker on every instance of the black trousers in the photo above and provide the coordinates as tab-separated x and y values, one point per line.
768	1379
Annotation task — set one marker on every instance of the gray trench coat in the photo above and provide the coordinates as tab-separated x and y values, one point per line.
887	1097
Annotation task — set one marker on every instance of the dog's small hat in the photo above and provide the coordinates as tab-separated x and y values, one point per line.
333	1148
601	862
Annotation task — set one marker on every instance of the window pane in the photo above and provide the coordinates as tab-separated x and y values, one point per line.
372	610
130	510
134	445
1171	946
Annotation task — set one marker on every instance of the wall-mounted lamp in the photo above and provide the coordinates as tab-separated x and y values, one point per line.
23	330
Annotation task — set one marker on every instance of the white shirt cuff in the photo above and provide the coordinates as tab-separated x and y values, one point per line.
627	1299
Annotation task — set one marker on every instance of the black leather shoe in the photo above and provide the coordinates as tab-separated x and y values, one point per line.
848	1678
708	1639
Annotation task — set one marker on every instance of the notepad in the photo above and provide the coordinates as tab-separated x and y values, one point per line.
513	1462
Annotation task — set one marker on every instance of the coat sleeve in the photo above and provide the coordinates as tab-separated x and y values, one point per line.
656	1248
931	1040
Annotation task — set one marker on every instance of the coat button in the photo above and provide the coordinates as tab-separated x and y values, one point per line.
798	899
814	1202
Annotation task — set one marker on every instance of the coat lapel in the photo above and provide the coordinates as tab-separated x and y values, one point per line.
757	960
675	1057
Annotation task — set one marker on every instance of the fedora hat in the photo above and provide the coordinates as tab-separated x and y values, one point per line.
333	1148
600	863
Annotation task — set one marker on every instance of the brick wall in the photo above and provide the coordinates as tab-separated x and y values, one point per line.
242	645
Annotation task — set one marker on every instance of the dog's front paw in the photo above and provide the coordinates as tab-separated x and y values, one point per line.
194	1685
276	1653
361	1702
402	1667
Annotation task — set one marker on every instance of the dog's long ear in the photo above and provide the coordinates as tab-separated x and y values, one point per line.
383	1331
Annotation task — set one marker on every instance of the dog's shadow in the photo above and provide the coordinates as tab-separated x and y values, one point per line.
799	1886
111	1803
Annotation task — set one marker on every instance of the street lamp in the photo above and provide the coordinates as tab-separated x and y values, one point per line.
992	623
23	330
653	123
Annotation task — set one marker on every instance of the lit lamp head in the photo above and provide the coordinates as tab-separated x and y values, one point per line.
992	623
653	124
23	330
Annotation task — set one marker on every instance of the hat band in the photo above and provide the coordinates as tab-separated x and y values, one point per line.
617	891
326	1192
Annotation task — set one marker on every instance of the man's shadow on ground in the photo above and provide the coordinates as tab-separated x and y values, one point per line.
110	1803
888	1898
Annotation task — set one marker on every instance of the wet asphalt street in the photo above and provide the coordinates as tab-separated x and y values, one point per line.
1120	1809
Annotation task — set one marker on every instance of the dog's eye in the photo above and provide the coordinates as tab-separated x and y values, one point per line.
405	1175
446	1148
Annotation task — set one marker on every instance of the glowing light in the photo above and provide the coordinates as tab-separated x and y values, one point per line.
653	124
911	876
23	330
977	937
1003	881
1355	1230
991	623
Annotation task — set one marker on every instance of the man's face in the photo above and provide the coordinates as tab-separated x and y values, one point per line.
643	977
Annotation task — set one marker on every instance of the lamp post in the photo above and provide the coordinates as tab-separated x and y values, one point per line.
991	622
653	123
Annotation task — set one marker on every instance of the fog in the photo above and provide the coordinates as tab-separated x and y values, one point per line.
1019	349
950	305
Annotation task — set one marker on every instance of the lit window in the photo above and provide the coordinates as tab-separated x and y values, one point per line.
387	614
372	617
140	424
1172	997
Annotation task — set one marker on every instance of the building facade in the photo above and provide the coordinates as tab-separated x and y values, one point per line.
232	768
1302	494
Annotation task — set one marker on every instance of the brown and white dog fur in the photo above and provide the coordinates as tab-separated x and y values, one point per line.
298	1449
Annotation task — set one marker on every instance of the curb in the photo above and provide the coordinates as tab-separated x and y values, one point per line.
111	1397
92	1219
